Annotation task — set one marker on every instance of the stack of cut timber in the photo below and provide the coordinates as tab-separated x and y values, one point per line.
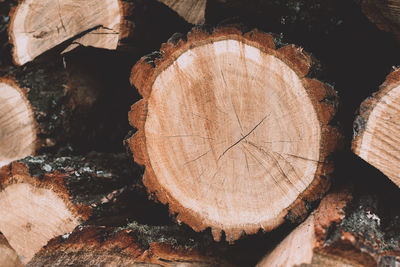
235	135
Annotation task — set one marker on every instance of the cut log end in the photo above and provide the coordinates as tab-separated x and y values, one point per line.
40	207
231	124
34	29
32	212
43	197
17	125
377	132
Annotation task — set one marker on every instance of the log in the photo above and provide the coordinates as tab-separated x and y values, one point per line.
8	257
48	104
385	14
132	245
34	29
38	106
46	196
232	133
112	24
347	229
193	11
377	129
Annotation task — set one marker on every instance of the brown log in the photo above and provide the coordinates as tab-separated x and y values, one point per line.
132	245
347	229
193	11
43	197
233	134
385	14
377	130
34	29
8	257
38	107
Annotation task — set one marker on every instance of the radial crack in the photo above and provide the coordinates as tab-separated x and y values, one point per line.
243	137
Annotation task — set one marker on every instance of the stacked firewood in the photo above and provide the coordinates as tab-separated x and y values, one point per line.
199	133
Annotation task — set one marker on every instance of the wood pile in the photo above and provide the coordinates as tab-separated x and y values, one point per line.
199	133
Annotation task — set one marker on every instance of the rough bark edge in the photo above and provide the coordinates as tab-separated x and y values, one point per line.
147	69
125	27
23	92
136	243
367	106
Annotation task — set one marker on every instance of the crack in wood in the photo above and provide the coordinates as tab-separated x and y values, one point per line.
243	137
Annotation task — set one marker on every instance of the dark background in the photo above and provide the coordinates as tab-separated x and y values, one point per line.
355	57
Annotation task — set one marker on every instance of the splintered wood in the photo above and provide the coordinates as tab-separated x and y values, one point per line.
39	25
232	134
377	129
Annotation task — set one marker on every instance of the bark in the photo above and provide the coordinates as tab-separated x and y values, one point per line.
131	245
166	142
